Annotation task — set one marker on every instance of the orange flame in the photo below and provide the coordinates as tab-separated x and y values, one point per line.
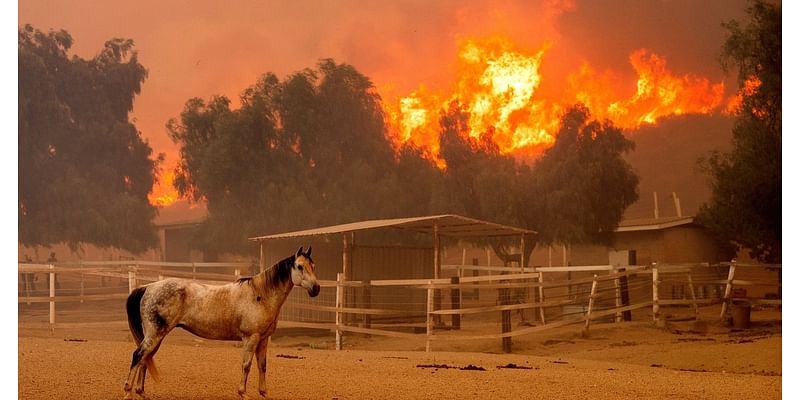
751	85
498	85
164	193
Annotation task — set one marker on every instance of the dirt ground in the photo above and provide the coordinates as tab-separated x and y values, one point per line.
684	360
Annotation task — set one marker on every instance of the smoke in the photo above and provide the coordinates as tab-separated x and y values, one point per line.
200	48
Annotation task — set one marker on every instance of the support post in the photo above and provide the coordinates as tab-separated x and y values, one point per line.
80	265
437	272
131	278
694	296
656	312
624	296
27	277
339	304
618	296
522	254
728	288
506	318
262	261
237	274
429	318
367	303
541	296
194	272
504	295
345	255
455	302
589	308
52	298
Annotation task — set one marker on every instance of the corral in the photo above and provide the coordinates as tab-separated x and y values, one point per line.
677	345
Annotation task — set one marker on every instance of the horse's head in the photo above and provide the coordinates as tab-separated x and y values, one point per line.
303	272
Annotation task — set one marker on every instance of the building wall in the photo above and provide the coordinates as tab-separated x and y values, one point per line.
688	244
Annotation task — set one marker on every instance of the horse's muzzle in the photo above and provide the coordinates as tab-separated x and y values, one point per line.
314	291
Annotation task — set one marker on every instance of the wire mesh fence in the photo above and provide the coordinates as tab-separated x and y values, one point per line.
497	303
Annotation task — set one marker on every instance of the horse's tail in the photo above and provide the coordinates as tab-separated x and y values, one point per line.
133	307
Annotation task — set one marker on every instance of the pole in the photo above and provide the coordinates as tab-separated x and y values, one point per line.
339	304
429	318
617	296
455	302
52	298
80	265
656	313
131	278
262	262
694	296
437	271
541	296
728	288
592	295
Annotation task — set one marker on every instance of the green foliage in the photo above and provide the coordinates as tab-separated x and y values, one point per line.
745	208
307	151
84	170
581	186
312	150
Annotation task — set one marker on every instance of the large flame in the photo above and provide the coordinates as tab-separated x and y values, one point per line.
164	193
498	85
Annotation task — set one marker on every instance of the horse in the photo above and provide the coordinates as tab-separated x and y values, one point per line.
246	309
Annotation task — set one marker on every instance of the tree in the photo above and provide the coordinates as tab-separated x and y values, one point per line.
84	169
306	151
745	206
579	188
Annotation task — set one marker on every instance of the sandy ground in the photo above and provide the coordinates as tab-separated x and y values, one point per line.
684	360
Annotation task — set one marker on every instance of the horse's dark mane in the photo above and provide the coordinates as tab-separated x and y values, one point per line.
277	273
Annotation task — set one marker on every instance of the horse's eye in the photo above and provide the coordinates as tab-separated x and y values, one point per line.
300	267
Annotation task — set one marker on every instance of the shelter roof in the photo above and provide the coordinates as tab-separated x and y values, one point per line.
649	224
448	224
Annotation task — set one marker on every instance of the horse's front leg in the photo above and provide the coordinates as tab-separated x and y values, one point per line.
248	348
261	357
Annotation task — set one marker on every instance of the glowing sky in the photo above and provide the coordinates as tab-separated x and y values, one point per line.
200	48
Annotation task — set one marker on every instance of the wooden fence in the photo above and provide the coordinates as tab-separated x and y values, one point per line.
587	294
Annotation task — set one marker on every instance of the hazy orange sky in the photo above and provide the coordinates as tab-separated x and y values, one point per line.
200	48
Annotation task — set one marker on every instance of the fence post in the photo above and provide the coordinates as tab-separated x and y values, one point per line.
694	296
194	271
27	279
728	288
505	316
589	308
656	315
131	278
429	318
237	273
339	305
455	302
618	295
541	296
80	265
367	303
52	298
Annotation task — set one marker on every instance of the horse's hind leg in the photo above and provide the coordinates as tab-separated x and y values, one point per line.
146	350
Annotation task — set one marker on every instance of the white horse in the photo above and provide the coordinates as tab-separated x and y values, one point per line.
244	310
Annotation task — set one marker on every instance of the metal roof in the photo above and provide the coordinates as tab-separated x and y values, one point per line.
649	224
449	225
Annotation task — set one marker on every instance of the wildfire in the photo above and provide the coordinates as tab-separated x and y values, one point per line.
164	193
751	85
498	86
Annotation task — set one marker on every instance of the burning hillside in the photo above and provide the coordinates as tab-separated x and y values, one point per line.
497	84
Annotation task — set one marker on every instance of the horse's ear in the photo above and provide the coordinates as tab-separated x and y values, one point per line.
308	252
299	251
